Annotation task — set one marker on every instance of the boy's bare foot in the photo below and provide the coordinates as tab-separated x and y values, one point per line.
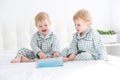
16	60
65	59
24	59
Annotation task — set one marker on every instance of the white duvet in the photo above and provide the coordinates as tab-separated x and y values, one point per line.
75	70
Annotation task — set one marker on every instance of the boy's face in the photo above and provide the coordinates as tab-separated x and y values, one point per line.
43	26
81	25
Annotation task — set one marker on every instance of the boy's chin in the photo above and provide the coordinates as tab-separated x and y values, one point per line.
45	33
79	31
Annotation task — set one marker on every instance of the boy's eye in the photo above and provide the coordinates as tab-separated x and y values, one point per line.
40	26
75	24
46	25
78	24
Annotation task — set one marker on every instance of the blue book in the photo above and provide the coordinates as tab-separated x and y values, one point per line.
50	62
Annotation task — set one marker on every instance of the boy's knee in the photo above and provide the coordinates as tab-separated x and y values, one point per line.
84	56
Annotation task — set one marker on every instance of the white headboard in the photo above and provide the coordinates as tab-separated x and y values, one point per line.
14	36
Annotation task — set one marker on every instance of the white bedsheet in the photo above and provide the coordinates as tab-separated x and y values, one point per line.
75	70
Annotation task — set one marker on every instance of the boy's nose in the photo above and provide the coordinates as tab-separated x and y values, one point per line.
43	27
76	28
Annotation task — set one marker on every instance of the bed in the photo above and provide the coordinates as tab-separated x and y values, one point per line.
20	36
16	30
73	70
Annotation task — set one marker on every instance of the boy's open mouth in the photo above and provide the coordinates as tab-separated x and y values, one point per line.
44	30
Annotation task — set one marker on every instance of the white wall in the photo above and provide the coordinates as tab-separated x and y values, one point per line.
17	14
60	11
115	19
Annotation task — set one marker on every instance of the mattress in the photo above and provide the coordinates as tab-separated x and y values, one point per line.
72	70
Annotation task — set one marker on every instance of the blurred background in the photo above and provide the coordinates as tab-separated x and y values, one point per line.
17	19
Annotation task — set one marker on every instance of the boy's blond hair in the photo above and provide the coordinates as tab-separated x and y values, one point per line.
41	16
84	15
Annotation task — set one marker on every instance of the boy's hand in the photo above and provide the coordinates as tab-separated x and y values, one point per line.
71	57
42	55
55	54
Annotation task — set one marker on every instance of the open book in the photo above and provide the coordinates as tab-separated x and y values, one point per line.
50	62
